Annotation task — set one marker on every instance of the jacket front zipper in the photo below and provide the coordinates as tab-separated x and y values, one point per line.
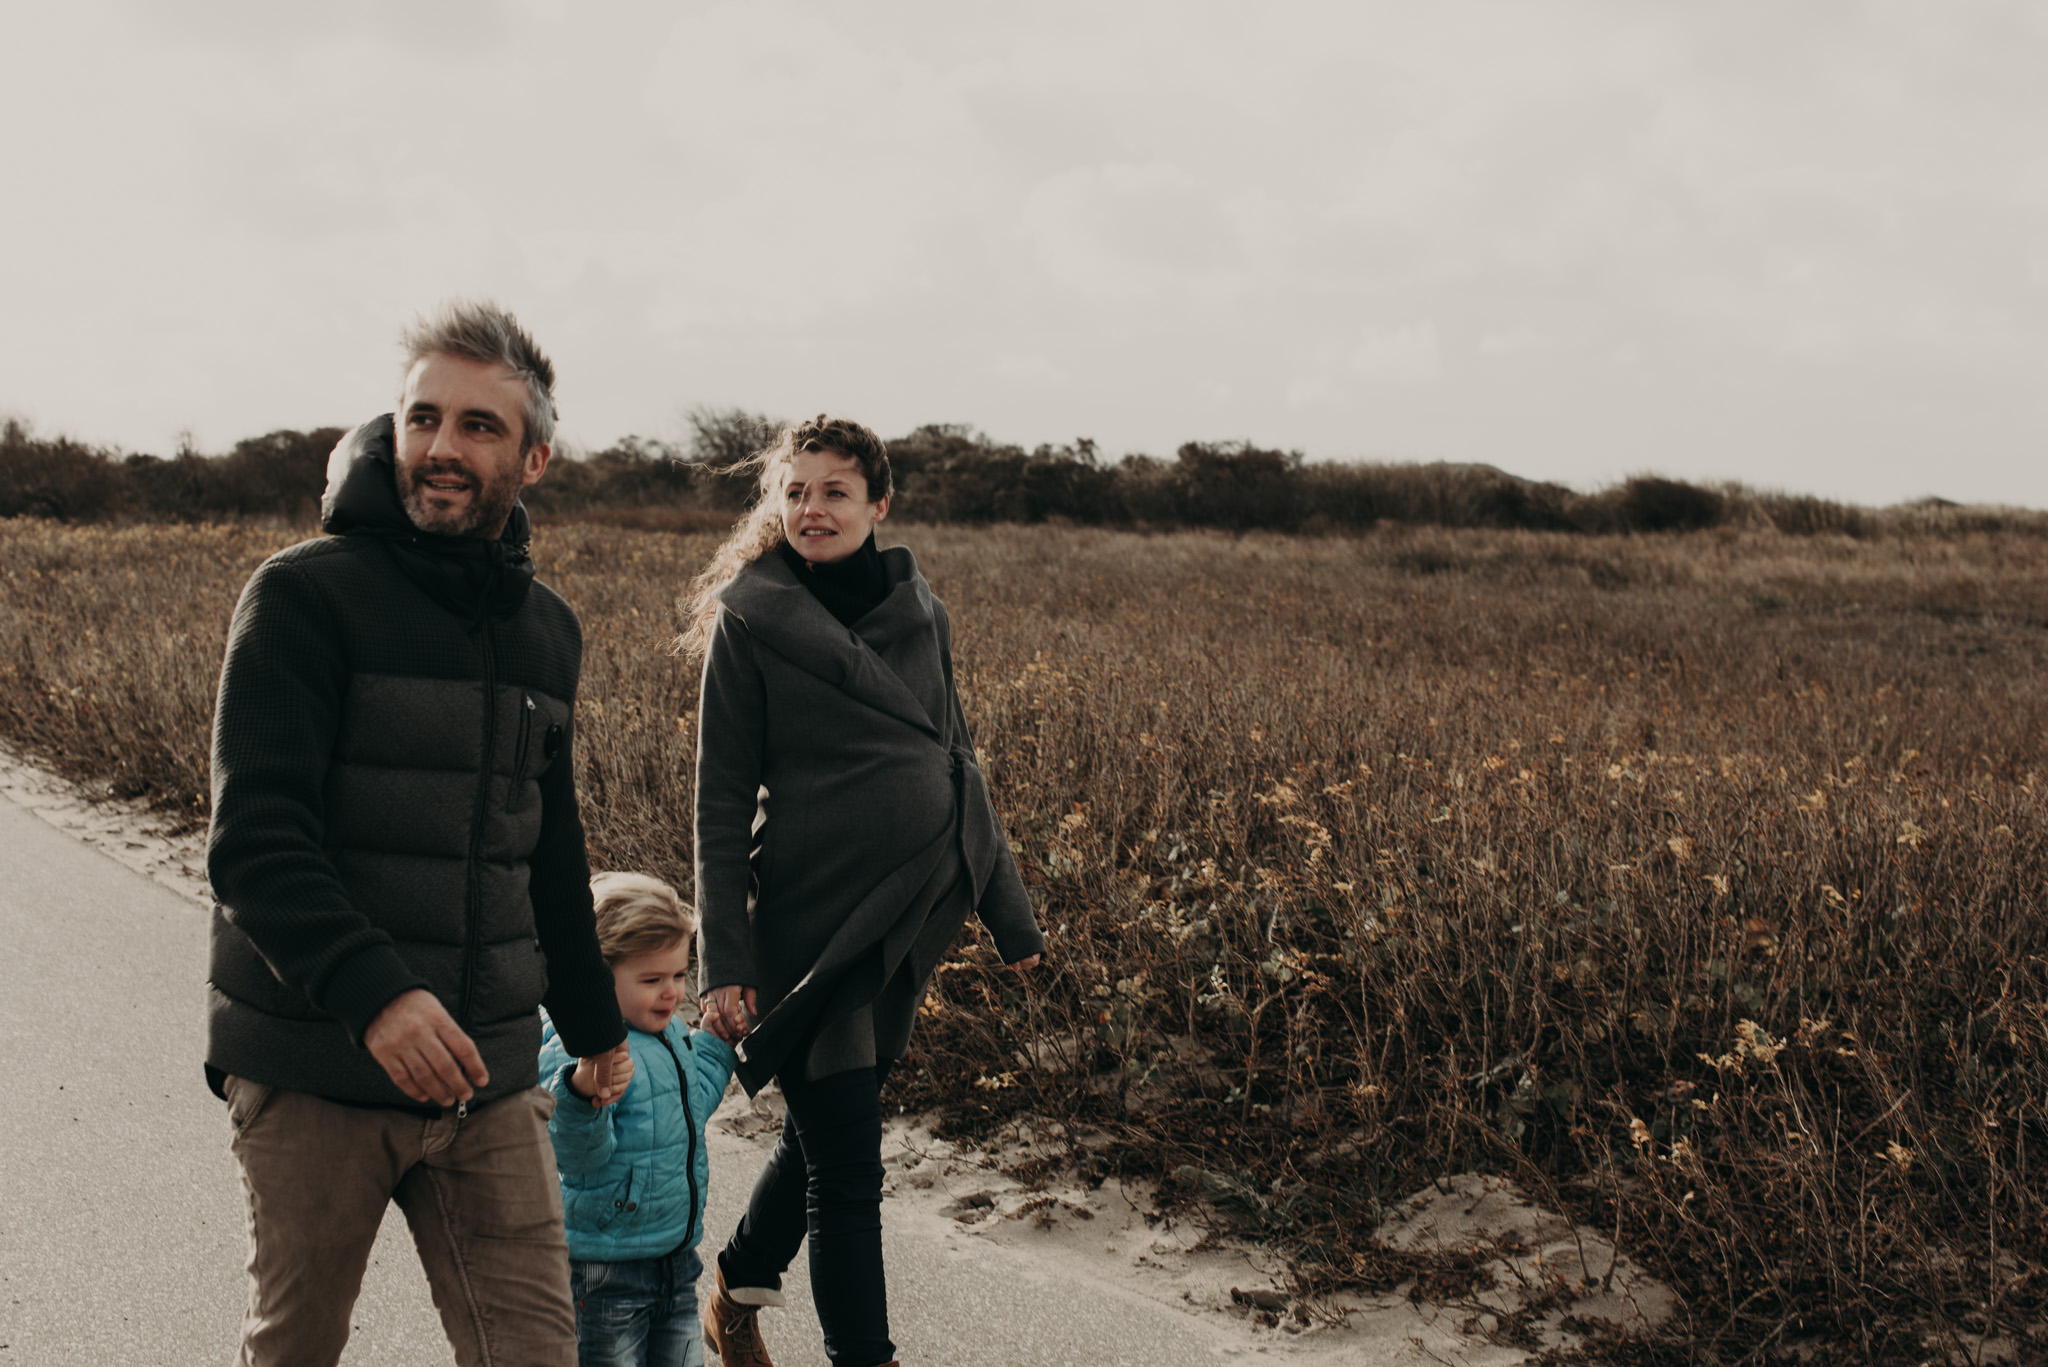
472	910
690	1123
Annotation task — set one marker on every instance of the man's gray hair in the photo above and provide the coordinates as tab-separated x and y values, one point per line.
481	331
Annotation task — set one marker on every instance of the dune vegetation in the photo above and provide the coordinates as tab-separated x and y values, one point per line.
1694	879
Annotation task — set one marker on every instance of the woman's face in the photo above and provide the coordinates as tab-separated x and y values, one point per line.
825	508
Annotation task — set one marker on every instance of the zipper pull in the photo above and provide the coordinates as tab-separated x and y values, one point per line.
461	1111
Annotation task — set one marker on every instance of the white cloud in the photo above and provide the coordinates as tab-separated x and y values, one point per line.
1408	354
1121	231
1377	357
1033	370
1513	338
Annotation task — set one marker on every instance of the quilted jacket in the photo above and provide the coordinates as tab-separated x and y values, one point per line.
392	801
634	1173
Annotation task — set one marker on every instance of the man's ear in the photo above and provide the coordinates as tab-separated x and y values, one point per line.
534	463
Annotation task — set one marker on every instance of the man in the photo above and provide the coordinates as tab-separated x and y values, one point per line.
400	873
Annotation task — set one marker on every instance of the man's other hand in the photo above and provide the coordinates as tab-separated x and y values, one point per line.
426	1053
601	1079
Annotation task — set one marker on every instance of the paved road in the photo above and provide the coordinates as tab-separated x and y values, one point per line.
121	1214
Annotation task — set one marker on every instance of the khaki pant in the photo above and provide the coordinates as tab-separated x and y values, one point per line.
479	1192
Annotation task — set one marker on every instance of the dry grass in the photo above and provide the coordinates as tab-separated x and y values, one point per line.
1695	880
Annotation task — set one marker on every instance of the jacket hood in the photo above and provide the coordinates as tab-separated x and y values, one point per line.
468	576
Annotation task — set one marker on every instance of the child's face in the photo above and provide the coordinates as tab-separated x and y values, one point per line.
652	986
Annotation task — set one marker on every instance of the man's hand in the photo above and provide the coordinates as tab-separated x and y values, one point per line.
601	1079
1026	965
426	1053
723	1013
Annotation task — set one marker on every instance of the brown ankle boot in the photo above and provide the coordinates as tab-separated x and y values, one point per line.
732	1324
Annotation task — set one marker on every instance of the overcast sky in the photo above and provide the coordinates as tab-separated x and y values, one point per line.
1801	245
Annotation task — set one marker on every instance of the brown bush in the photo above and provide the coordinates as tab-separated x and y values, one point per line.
1692	879
58	478
950	473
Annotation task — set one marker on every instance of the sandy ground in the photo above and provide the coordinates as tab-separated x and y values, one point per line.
962	1229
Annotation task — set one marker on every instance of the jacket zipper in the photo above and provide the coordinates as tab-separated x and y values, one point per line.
689	1123
516	792
473	901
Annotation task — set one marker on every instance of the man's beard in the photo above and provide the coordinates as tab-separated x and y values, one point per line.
489	505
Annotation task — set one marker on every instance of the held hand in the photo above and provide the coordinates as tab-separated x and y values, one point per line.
728	1011
426	1053
622	1072
1026	965
601	1079
709	1017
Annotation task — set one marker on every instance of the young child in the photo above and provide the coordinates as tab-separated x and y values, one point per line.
634	1172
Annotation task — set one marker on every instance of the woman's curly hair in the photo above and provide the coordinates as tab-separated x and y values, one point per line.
760	530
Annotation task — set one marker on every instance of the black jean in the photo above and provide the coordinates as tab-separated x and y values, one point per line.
824	1182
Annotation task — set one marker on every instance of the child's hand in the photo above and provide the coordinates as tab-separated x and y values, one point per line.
601	1079
721	1013
621	1073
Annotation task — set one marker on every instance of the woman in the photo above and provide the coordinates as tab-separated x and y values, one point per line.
843	835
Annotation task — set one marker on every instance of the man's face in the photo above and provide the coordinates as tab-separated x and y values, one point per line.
460	425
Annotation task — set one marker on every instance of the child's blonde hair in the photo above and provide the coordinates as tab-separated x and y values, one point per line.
638	915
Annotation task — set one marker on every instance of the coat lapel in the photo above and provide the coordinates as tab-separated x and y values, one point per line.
781	614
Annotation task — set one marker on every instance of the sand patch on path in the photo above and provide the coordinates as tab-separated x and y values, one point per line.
128	832
1537	1281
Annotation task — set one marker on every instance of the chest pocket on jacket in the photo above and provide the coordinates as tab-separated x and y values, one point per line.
541	723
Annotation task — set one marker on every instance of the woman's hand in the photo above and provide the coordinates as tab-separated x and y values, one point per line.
1026	965
727	1011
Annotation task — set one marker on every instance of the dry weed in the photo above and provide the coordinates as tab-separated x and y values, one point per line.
1695	880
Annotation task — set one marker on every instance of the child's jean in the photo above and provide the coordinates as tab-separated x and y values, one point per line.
639	1313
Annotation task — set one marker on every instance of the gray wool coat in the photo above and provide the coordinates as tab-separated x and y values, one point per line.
843	828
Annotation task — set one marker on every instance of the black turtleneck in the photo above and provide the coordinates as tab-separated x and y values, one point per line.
851	588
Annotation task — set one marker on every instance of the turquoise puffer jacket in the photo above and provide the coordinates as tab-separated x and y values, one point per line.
634	1173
